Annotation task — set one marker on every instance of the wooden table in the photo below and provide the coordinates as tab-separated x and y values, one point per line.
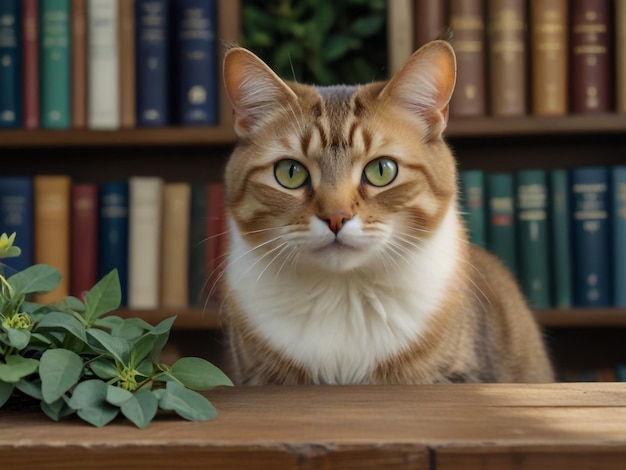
569	426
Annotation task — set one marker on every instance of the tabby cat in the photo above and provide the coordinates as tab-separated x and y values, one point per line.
348	260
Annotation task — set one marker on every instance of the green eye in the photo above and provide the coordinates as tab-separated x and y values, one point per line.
290	174
380	172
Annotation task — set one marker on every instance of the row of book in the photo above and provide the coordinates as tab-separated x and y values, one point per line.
521	57
166	239
562	232
107	64
604	374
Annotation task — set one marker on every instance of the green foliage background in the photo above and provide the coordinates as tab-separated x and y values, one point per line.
321	42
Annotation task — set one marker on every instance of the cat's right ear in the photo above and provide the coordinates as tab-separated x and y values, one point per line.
254	90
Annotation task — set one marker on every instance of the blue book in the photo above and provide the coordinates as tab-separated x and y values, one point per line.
152	21
472	205
16	215
500	193
618	219
196	62
560	239
10	64
113	232
591	248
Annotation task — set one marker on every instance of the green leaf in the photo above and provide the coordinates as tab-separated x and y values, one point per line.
38	279
30	388
17	367
62	321
88	393
367	25
71	304
141	408
109	322
59	370
141	348
103	298
99	415
338	45
104	343
56	410
131	328
6	390
198	374
117	396
104	368
186	403
18	338
162	333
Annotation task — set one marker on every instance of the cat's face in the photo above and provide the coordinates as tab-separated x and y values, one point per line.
339	178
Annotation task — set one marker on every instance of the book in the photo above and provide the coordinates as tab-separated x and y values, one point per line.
549	57
55	71
113	206
10	64
501	239
152	21
620	56
466	19
16	216
79	63
103	90
590	45
83	238
127	64
560	239
175	245
216	241
197	243
195	26
429	22
144	243
532	224
30	63
399	33
472	202
507	57
618	219
52	230
589	192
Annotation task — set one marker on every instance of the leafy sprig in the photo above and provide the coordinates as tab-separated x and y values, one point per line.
76	357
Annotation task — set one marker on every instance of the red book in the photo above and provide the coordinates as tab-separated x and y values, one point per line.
30	14
216	242
84	238
430	19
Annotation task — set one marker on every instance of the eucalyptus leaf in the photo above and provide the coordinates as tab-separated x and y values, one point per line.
104	343
162	333
71	304
6	390
198	374
59	370
131	328
88	393
103	368
99	414
141	408
56	410
186	403
18	338
117	396
62	321
108	322
141	348
17	367
31	388
103	298
37	279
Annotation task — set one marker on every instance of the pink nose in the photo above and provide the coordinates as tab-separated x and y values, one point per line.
335	220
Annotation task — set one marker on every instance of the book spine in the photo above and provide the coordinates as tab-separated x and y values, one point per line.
144	247
55	71
196	97
30	33
591	236
560	242
52	230
620	55
590	56
83	238
216	239
532	221
79	63
549	49
399	33
473	205
430	21
466	19
618	219
507	57
103	91
197	244
127	64
113	206
501	238
152	18
175	245
16	216
10	64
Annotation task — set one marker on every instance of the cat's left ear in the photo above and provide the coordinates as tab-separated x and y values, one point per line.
425	84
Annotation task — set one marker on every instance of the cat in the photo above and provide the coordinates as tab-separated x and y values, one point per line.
348	260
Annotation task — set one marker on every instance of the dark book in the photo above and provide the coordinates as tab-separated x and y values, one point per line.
30	34
618	223
128	60
591	247
501	239
152	21
216	240
83	238
195	29
430	21
620	56
197	244
10	64
590	46
472	202
79	63
560	239
16	216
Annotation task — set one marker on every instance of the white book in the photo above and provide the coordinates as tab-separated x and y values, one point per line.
399	33
103	87
144	241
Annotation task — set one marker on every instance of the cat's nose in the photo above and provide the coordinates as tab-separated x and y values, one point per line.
335	220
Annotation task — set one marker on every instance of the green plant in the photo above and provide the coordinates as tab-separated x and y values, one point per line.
318	41
74	358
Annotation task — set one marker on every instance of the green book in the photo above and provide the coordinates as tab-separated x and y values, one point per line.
472	204
532	223
560	241
55	71
501	218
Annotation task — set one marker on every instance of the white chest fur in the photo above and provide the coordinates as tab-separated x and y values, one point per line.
339	326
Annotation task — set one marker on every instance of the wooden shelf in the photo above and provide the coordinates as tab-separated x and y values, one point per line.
186	318
582	317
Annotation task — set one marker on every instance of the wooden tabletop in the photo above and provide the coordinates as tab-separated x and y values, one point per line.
574	426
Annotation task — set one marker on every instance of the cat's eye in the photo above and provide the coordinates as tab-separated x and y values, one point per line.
290	174
380	172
